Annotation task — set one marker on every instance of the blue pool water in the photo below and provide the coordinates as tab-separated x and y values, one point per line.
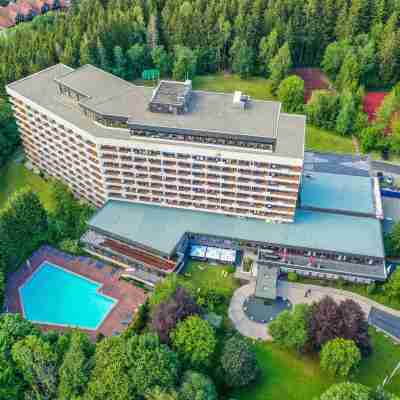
57	297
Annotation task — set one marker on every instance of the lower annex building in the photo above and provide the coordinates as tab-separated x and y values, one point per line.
171	168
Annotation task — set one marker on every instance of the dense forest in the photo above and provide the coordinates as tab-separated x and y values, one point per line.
355	42
218	34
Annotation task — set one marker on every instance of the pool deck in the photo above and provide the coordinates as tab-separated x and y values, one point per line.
129	297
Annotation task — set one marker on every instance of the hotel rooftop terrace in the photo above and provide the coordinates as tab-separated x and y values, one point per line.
161	228
209	112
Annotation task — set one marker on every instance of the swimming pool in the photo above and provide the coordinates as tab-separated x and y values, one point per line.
55	296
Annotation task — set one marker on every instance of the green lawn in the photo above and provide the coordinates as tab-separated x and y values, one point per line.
326	141
288	376
14	176
208	275
256	87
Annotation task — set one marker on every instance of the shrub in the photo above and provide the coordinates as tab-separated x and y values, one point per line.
371	288
196	386
291	94
247	264
354	325
290	329
70	246
325	322
238	362
168	313
2	290
139	321
339	357
194	340
347	391
292	276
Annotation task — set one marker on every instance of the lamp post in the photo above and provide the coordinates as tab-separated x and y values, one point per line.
388	378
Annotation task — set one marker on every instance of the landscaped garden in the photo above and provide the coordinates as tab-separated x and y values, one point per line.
280	365
15	176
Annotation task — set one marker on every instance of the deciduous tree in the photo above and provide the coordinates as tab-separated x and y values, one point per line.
238	362
195	342
339	357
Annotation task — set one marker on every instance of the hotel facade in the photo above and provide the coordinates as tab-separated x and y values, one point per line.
171	168
172	146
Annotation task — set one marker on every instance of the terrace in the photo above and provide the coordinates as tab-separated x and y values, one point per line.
128	297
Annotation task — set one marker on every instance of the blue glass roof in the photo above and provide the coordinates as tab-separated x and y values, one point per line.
338	192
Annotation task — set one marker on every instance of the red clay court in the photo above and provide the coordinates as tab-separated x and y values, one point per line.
371	103
129	297
314	79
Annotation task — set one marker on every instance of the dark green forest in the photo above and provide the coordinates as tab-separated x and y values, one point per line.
125	36
356	42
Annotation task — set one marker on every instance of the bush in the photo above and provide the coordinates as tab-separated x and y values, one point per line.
371	288
291	94
292	276
196	386
195	342
2	290
339	357
329	321
70	246
139	321
247	264
238	362
168	313
290	329
347	391
323	108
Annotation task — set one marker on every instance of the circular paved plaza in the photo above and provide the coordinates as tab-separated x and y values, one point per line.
262	310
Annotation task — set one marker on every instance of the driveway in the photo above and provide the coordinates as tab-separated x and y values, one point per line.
380	316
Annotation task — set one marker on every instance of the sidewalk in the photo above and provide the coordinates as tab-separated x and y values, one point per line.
295	292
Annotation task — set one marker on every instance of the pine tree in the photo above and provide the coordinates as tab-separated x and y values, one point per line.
280	66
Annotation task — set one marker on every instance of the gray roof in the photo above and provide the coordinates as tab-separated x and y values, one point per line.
161	228
208	111
266	284
337	192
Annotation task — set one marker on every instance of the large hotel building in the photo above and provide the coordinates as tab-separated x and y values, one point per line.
109	139
226	170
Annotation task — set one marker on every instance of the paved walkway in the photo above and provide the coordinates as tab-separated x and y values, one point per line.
295	293
242	323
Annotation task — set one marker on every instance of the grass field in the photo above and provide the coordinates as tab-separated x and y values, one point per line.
14	176
209	275
258	88
326	141
287	376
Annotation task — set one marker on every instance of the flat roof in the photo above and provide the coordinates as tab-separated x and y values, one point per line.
161	228
207	111
337	192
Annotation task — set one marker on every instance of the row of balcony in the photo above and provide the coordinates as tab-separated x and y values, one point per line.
268	182
113	153
198	170
235	203
224	209
217	194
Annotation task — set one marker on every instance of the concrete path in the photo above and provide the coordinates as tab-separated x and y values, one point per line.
242	323
295	293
